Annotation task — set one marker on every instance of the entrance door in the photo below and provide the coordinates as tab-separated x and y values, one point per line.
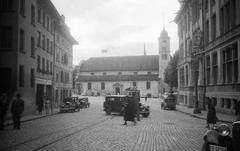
39	96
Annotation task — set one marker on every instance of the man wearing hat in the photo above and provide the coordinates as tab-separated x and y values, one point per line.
17	109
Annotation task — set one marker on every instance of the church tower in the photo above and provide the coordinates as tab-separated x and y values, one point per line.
164	51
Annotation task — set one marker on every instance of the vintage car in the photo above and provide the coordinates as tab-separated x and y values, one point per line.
70	104
116	104
169	102
84	103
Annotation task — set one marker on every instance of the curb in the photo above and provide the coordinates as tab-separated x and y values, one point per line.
203	118
27	120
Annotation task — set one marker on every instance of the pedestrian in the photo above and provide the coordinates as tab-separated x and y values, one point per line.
40	106
17	110
145	98
211	115
130	111
47	104
3	109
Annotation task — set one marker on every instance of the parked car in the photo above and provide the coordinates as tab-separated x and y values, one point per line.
116	103
70	104
169	102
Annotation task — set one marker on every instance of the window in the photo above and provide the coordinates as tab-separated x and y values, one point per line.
213	27
22	7
228	103
235	62
6	5
51	48
33	14
32	83
230	64
43	64
39	15
149	73
222	103
119	73
89	86
207	32
6	37
182	81
32	47
47	65
92	73
43	42
233	13
164	56
206	5
164	49
135	73
222	20
51	67
38	63
213	2
47	45
22	40
39	39
227	17
21	76
148	85
208	69
186	76
47	23
104	73
102	86
44	19
134	84
215	68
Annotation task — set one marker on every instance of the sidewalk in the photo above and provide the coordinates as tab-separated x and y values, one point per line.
203	115
32	117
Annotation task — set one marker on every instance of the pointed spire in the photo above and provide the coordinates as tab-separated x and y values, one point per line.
144	50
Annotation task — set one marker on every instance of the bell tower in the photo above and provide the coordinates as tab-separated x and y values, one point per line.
164	51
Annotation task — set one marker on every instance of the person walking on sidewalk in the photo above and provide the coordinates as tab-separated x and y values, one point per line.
17	110
3	109
211	115
47	104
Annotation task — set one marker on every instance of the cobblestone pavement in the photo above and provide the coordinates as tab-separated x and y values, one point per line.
91	130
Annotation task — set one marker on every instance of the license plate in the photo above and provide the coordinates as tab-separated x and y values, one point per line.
217	148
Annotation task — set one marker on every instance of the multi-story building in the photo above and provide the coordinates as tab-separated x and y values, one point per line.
221	22
27	40
112	75
218	53
63	62
189	22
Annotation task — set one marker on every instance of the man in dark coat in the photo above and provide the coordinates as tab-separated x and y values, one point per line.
211	115
3	109
130	111
17	110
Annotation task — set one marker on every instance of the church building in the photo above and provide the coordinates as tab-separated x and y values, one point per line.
112	75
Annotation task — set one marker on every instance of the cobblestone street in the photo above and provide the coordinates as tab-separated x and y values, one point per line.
90	129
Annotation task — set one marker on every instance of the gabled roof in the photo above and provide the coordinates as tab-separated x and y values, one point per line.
123	63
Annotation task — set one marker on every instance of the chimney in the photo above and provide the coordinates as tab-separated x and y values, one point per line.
63	18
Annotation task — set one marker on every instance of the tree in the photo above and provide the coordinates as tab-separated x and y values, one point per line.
170	73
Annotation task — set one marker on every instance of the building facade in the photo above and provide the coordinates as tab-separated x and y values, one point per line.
218	56
27	44
112	75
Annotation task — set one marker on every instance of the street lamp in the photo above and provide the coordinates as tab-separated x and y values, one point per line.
196	47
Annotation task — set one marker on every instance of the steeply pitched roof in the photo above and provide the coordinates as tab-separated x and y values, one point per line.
95	78
123	63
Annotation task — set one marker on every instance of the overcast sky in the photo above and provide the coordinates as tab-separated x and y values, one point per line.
119	26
